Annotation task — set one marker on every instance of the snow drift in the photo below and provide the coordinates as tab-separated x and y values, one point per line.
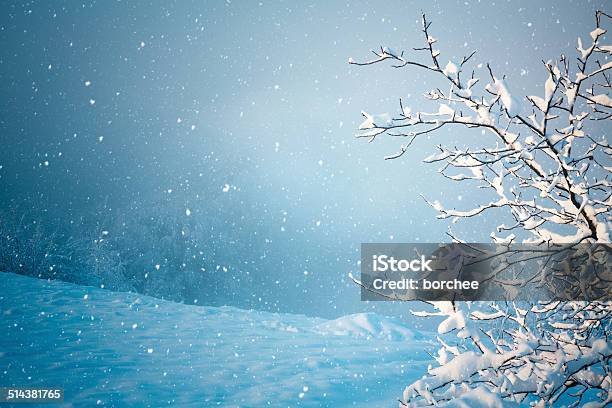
121	350
369	325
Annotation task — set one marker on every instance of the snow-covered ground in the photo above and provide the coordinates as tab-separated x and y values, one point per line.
122	350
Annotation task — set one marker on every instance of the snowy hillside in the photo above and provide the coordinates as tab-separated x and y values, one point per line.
118	349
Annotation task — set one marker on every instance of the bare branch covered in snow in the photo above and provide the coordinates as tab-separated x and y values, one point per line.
543	163
505	354
547	165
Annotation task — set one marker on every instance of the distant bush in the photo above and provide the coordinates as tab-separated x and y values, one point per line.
161	253
28	248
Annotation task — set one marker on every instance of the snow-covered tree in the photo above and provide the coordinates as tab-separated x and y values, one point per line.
161	252
29	247
546	161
